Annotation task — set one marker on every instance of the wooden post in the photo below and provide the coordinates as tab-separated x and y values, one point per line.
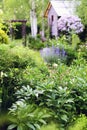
24	32
42	18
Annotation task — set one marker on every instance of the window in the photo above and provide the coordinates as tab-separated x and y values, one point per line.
52	18
58	17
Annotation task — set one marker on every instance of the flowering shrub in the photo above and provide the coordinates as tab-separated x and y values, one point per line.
53	54
70	23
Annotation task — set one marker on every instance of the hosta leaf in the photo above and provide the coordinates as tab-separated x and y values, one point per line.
10	127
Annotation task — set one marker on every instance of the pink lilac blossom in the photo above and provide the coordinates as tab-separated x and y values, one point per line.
70	23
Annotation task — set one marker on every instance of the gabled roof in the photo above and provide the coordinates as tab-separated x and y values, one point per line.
62	7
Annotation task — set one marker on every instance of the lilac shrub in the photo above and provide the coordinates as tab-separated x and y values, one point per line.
70	24
53	54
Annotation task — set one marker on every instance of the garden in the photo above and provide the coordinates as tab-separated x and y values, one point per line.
43	85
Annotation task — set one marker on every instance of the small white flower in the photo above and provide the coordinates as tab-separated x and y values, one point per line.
55	65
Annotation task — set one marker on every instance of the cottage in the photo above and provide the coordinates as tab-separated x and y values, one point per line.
56	9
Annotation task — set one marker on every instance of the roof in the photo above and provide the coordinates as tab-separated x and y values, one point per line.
62	7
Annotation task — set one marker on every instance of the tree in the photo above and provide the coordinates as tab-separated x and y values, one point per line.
21	9
81	11
33	19
16	9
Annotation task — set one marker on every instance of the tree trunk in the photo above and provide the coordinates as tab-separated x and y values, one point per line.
33	20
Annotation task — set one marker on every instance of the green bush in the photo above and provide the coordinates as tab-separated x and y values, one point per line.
16	68
35	43
79	124
3	37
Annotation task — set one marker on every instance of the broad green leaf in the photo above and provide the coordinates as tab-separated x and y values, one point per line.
64	118
69	100
10	127
42	121
31	126
20	127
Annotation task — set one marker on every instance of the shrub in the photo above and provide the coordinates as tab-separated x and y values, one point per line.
35	43
18	66
79	124
3	37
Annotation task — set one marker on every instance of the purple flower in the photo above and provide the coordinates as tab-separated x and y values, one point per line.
53	54
70	23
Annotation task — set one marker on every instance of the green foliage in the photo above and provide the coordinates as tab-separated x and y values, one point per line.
79	124
70	49
75	41
35	43
26	116
18	66
57	99
81	9
82	51
51	126
25	78
64	92
15	10
3	37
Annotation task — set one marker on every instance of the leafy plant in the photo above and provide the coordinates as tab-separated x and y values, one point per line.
57	99
33	43
26	116
17	70
79	124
